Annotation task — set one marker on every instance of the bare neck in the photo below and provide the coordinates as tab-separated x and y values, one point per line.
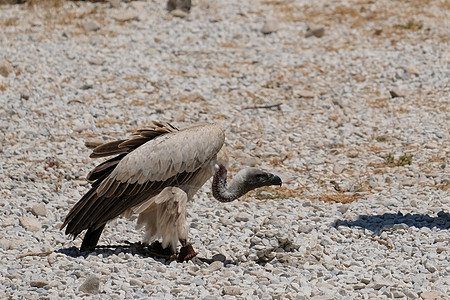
225	193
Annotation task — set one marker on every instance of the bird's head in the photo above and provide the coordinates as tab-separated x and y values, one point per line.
256	178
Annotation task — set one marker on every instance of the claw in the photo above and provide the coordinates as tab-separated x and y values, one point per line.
186	253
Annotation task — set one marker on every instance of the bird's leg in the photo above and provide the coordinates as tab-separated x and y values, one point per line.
186	251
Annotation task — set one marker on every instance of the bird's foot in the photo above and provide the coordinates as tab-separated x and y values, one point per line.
157	247
186	253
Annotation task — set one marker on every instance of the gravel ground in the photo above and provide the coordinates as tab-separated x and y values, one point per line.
353	115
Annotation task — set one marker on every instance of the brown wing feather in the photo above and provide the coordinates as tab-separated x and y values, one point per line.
105	167
78	218
93	211
135	142
108	149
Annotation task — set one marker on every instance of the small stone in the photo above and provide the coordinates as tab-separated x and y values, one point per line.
398	294
5	244
225	221
183	5
366	280
318	31
352	153
430	295
408	249
304	94
305	229
137	6
5	68
338	168
90	25
409	182
114	3
78	126
396	93
400	226
270	26
418	278
160	269
242	217
431	145
378	31
54	283
411	69
231	290
343	208
30	224
430	266
39	210
411	295
38	283
86	86
91	285
219	257
373	183
439	250
179	13
215	266
380	284
96	60
25	94
198	281
125	16
136	282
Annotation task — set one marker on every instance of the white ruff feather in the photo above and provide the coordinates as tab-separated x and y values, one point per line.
165	218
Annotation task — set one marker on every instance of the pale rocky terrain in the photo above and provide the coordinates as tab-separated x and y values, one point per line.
348	101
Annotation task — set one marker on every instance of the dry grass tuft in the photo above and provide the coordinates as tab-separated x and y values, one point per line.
340	198
46	3
191	98
372	17
410	25
137	103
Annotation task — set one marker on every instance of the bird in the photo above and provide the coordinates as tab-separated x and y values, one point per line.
154	174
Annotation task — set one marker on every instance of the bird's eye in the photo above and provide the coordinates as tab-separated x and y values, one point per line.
260	176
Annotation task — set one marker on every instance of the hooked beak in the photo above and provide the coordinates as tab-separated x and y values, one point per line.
275	180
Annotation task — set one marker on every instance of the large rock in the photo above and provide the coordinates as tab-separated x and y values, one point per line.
91	285
125	16
39	210
30	224
232	290
5	68
179	13
90	25
270	26
317	31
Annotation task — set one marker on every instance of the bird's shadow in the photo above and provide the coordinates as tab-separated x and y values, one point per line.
140	250
388	221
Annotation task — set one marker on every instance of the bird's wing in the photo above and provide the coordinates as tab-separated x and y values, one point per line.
124	147
171	159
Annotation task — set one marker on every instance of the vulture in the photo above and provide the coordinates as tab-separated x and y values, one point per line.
154	174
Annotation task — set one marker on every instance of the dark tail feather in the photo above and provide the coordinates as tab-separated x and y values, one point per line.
91	237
